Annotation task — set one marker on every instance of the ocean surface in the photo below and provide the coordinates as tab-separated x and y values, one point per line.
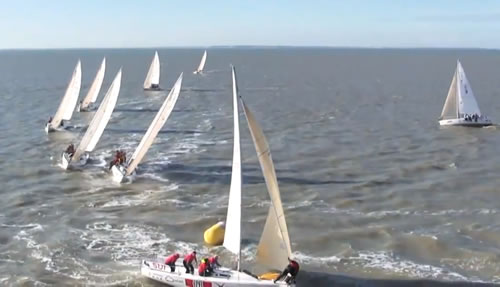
374	191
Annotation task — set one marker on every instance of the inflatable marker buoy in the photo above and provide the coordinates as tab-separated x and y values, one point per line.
215	234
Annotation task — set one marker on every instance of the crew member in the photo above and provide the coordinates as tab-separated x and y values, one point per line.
292	269
214	262
70	150
204	268
188	262
170	261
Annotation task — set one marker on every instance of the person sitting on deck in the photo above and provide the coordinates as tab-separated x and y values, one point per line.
188	262
155	86
70	150
204	268
292	269
214	262
120	158
170	261
50	120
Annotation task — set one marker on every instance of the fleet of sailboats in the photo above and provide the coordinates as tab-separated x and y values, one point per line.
274	249
460	107
96	126
87	102
152	81
127	169
274	246
200	68
68	102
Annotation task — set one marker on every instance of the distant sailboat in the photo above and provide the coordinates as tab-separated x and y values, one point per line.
96	126
68	102
152	81
121	171
202	64
460	107
274	246
86	104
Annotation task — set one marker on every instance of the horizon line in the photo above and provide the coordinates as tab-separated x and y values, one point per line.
254	47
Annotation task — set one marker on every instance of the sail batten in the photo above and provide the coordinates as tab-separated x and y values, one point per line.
153	76
155	126
70	99
95	88
232	236
100	119
274	245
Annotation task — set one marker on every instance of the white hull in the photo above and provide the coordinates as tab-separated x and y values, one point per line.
222	277
87	109
65	160
50	129
197	72
462	122
119	171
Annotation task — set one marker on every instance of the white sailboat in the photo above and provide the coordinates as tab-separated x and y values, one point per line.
96	126
202	64
152	81
68	102
274	246
86	104
124	170
460	107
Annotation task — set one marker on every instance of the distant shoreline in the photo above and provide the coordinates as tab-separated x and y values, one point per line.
253	47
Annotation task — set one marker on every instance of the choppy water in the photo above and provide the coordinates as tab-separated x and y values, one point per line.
372	187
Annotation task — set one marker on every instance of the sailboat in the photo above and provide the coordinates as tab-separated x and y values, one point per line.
460	107
86	104
96	127
68	102
202	64
152	81
274	246
124	170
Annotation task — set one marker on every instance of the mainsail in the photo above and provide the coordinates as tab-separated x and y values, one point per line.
274	246
95	87
68	103
100	119
232	235
153	76
450	108
202	63
467	102
158	122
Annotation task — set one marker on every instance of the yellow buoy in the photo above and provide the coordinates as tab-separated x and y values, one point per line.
215	234
269	276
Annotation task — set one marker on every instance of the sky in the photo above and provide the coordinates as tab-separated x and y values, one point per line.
43	24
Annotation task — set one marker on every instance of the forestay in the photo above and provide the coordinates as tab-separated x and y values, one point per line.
274	246
232	235
100	119
153	76
156	125
68	103
450	110
467	102
95	88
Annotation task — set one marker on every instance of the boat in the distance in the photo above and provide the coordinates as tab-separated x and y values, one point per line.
202	64
87	103
68	102
96	127
274	248
123	170
460	107
152	81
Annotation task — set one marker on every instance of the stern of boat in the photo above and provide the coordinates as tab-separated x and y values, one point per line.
118	172
65	159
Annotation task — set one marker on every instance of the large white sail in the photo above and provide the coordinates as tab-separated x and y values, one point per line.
202	63
68	103
100	119
156	125
95	88
450	108
274	246
232	235
467	102
153	76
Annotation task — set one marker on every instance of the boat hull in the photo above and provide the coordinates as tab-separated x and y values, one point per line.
462	122
86	109
223	277
197	72
119	173
153	89
65	160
